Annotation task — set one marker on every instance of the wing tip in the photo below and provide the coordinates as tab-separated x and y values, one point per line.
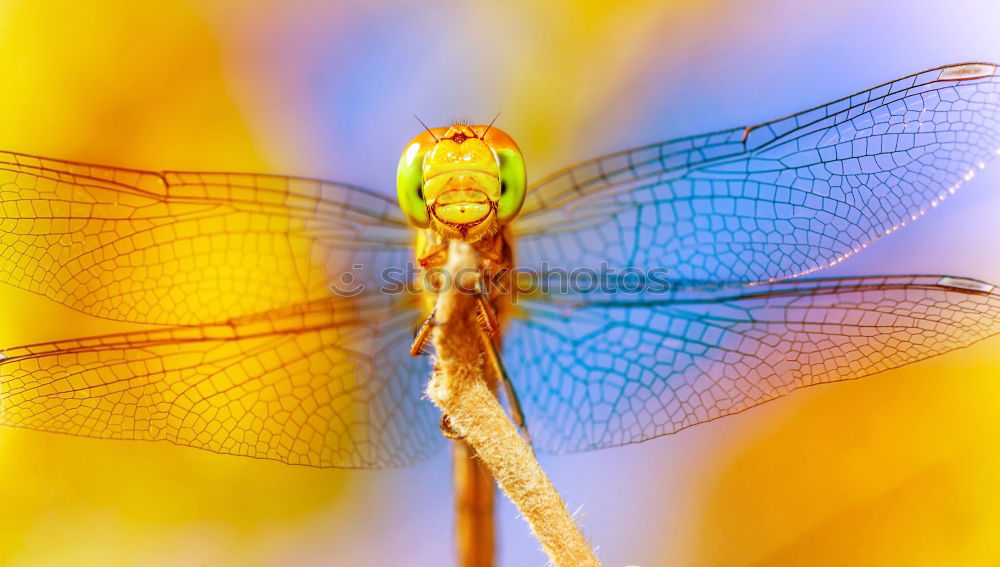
967	71
965	284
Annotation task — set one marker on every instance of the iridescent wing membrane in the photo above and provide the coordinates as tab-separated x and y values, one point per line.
186	247
325	383
743	206
597	372
260	360
780	199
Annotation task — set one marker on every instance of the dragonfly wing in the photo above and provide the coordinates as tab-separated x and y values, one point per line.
597	373
775	200
328	383
187	247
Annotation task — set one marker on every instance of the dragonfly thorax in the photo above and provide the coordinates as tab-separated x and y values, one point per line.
464	182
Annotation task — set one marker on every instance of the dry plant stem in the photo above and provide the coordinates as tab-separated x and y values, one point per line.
459	389
474	496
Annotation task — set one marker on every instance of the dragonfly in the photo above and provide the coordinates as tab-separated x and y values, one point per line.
248	350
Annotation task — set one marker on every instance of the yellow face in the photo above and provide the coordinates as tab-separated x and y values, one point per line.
464	182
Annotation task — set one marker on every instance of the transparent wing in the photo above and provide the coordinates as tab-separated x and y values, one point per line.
775	200
595	372
328	383
187	247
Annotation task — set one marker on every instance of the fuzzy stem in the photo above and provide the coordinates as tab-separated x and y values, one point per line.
458	388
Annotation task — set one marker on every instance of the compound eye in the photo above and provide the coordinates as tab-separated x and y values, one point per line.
513	183
410	183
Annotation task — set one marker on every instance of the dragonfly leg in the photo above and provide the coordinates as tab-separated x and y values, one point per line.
423	333
447	430
490	327
516	413
486	314
434	256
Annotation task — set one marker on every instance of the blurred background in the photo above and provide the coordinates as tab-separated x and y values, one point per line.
897	469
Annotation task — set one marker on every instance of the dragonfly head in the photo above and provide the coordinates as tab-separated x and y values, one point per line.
464	182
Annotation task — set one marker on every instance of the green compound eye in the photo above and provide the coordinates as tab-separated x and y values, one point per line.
409	184
513	180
